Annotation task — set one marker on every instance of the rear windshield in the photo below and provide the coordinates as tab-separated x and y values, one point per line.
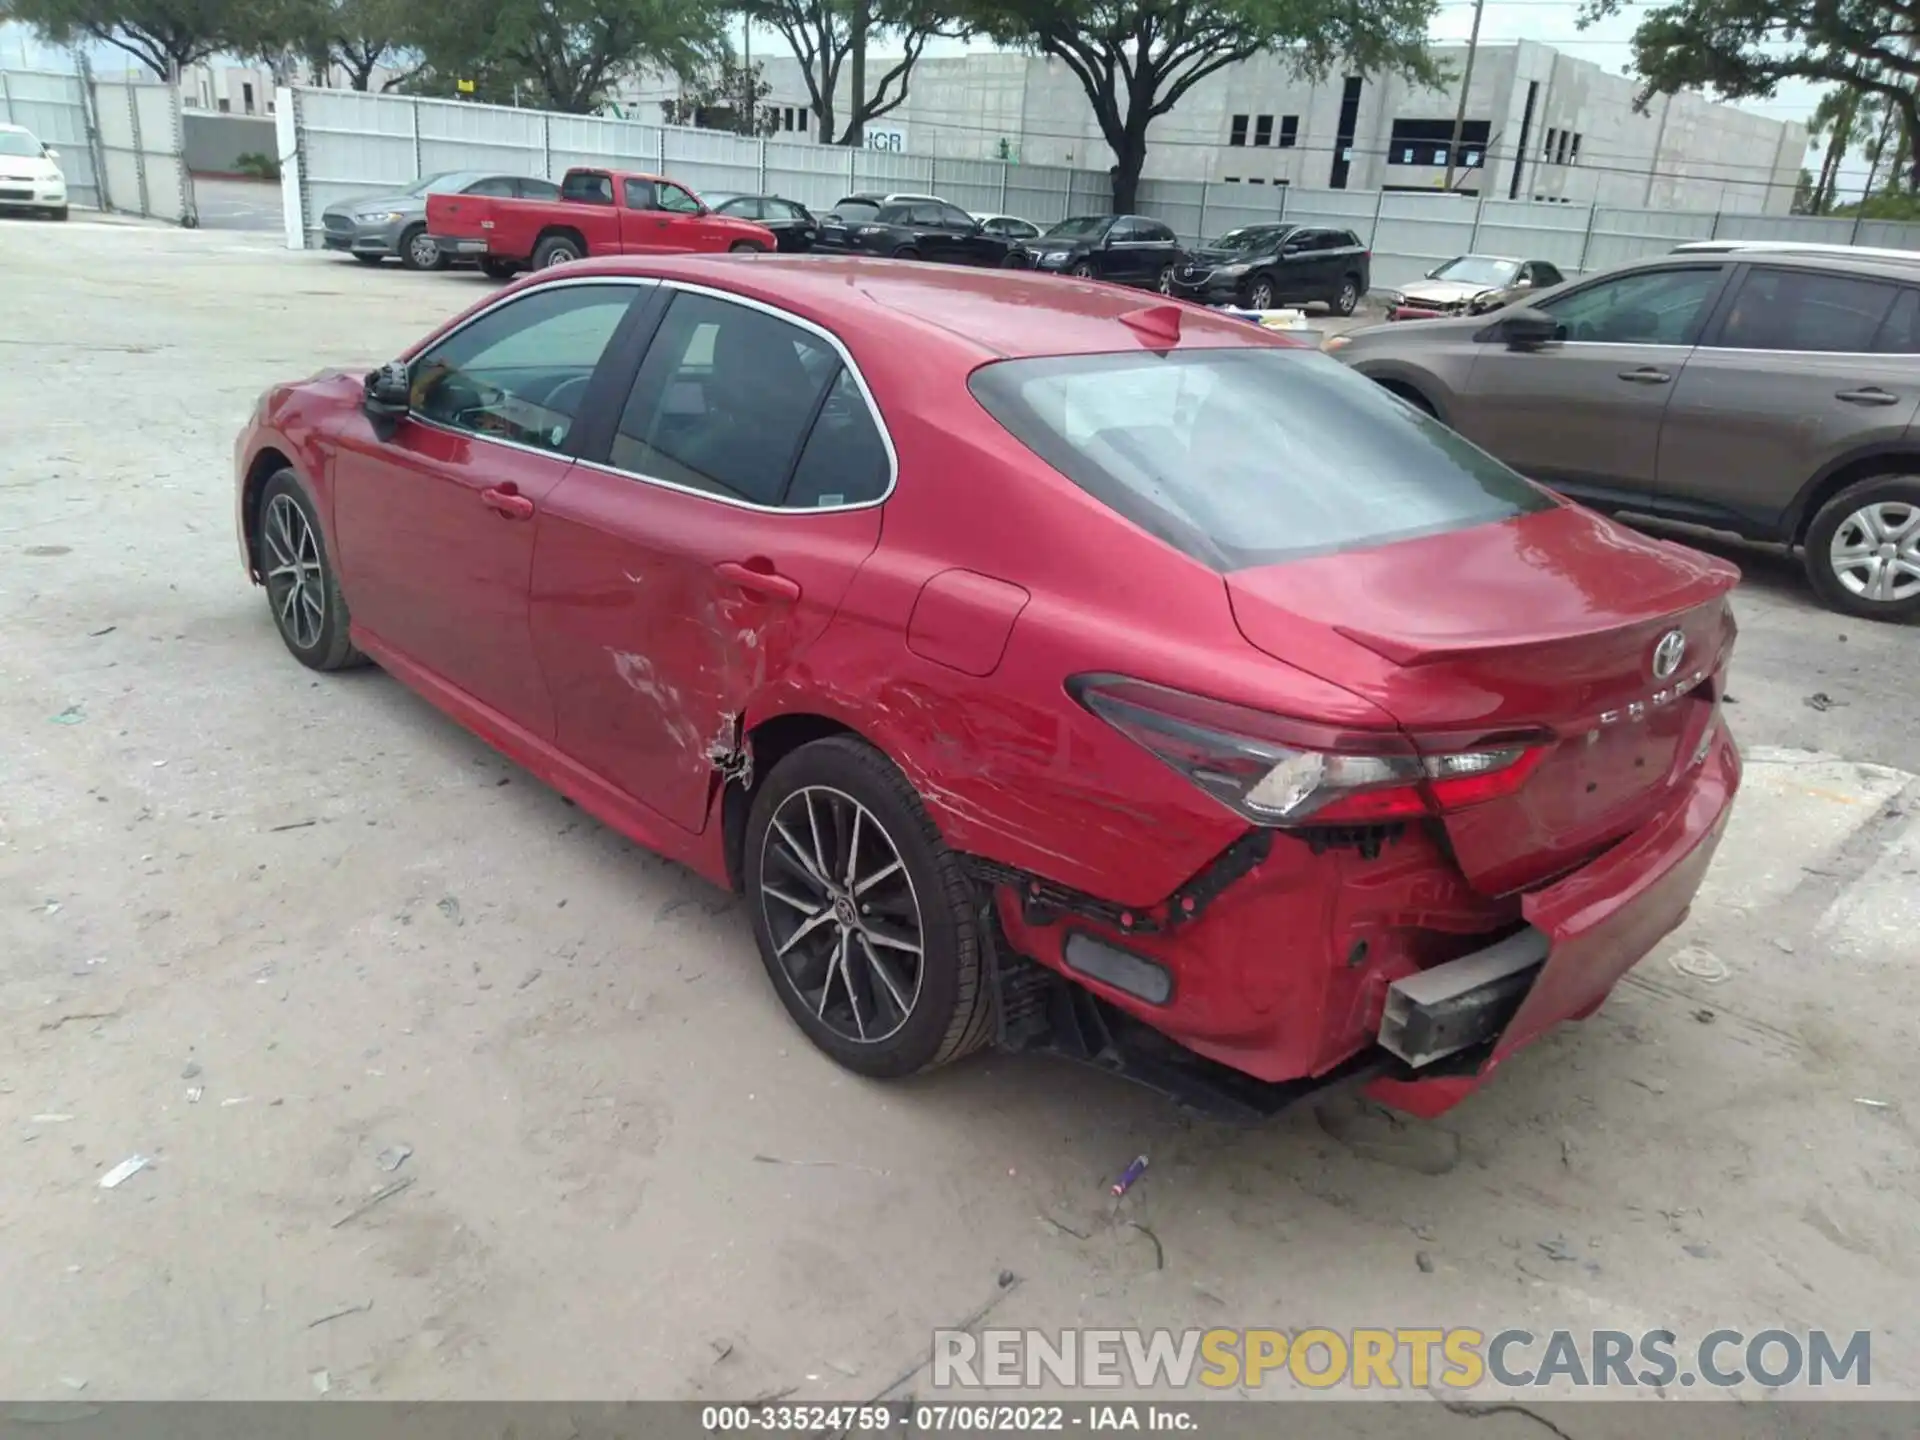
1249	456
855	210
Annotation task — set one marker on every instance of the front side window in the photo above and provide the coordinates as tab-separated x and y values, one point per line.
1081	227
747	207
520	371
673	198
729	399
1125	231
640	195
1249	456
1658	307
1478	270
954	218
1807	311
497	185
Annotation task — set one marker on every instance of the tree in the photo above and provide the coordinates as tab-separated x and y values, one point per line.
830	37
561	53
1136	59
1745	49
166	36
354	36
726	98
1834	118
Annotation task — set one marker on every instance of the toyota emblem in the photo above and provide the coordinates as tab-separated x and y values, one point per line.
1668	653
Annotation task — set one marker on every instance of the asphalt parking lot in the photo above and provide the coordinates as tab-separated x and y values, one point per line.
271	929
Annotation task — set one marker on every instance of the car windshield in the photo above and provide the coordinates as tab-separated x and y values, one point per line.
1080	227
18	142
1479	270
1249	456
1247	237
855	210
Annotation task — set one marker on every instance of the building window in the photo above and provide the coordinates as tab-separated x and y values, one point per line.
1233	179
1263	130
1349	124
1239	135
1565	136
1547	153
1256	180
1574	154
1427	142
225	105
1289	131
246	95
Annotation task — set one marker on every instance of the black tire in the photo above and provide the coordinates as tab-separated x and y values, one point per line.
59	214
906	252
1893	502
498	269
1412	396
1260	294
366	259
746	247
1165	284
1083	270
327	646
555	250
950	1011
418	252
1348	299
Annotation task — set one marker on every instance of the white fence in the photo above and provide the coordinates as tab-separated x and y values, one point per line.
339	143
119	140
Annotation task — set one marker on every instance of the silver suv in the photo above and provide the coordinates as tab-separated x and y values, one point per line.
1771	393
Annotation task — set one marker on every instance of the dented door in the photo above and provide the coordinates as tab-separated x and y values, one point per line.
658	614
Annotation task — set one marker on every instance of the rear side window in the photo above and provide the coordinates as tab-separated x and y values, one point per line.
1249	456
855	211
1900	331
1806	310
531	189
585	189
496	185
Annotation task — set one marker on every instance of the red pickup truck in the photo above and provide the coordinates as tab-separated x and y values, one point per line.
599	212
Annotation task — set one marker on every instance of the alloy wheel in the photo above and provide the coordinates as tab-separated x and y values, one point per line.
1166	281
295	585
842	913
1875	552
1349	297
1262	297
423	251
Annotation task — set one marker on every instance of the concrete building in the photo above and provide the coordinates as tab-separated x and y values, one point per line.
1540	125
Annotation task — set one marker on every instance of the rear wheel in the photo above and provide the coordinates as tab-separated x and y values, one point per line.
302	591
1083	269
418	251
906	252
864	918
555	250
366	259
1348	299
498	269
58	213
1260	297
1863	549
746	247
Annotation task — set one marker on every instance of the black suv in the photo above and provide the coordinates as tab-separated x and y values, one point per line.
1129	249
1261	266
918	229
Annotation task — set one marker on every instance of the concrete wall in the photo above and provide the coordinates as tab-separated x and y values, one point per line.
1704	157
215	143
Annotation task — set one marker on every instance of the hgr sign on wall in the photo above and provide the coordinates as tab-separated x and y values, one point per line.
886	137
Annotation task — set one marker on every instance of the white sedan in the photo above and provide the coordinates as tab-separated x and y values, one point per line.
30	177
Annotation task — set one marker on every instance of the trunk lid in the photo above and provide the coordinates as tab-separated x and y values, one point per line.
1549	622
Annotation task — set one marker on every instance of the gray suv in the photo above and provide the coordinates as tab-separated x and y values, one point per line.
1772	394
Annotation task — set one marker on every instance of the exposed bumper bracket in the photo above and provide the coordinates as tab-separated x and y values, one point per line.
1463	1003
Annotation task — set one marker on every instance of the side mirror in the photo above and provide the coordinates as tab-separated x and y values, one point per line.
49	152
388	397
1523	283
1526	329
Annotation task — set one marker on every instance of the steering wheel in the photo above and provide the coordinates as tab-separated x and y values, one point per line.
572	382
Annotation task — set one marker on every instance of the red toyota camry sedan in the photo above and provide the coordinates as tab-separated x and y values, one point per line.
1046	664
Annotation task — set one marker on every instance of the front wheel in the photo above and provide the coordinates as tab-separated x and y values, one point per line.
1863	549
906	252
1166	280
1082	270
304	594
864	919
746	247
419	251
498	269
1348	300
57	213
365	259
1260	297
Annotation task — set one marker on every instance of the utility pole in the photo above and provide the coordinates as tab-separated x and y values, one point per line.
1466	83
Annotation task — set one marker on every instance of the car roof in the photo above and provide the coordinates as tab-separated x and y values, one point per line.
1804	247
969	316
1844	260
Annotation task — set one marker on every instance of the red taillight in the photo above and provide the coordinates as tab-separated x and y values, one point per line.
1279	771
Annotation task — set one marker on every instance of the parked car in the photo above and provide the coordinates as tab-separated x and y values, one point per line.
1771	394
1797	247
1264	266
1470	285
30	174
1383	760
598	212
792	224
1127	249
1011	226
394	222
909	230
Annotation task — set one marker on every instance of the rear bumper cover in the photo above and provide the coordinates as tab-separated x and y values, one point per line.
461	246
1272	982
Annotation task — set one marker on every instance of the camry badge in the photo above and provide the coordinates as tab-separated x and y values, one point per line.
1668	653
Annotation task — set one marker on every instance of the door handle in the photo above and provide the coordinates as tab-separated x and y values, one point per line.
508	502
761	582
1867	395
1646	375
